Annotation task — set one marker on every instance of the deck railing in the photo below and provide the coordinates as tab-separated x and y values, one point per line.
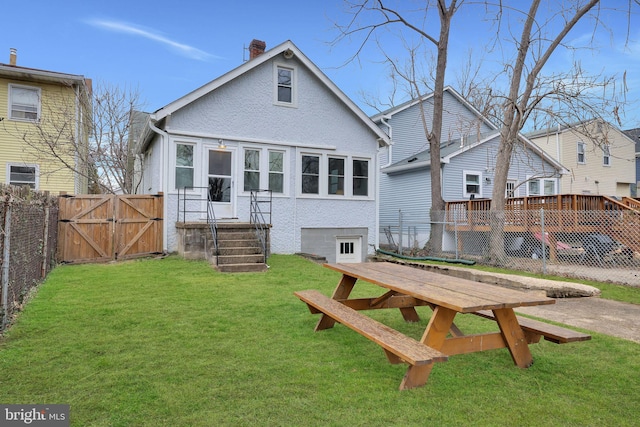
522	211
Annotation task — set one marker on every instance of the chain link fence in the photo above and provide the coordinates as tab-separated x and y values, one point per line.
28	241
594	245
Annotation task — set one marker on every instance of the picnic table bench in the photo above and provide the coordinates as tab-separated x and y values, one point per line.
447	296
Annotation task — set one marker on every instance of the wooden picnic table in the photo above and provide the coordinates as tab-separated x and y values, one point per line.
447	296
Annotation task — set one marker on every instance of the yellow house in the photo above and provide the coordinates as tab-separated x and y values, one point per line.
44	128
600	158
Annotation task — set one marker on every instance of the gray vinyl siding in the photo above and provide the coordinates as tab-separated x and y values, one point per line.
408	131
524	163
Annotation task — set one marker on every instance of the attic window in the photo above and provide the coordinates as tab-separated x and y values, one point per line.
285	79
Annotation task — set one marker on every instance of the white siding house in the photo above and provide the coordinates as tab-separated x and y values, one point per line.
275	122
469	144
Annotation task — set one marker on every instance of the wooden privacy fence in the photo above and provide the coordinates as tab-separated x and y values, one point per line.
99	228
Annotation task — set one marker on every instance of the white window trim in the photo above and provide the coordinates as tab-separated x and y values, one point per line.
197	168
464	183
369	169
294	85
10	102
264	168
323	190
584	153
516	189
24	165
541	182
606	156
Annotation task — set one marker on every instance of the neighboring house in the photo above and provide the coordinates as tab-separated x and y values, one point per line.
275	122
469	144
634	134
42	116
600	158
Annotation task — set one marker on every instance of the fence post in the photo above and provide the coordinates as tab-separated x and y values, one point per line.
400	231
544	242
455	234
5	262
45	239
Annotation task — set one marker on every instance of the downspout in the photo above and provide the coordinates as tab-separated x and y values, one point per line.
559	157
79	139
390	134
164	137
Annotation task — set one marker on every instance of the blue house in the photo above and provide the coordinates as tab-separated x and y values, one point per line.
469	143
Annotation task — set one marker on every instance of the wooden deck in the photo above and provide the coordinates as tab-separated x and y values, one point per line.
564	213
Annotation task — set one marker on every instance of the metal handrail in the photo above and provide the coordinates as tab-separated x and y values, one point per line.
184	197
257	217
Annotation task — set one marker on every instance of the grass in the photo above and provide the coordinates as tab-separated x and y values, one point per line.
170	342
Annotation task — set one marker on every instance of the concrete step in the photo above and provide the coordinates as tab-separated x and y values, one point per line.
240	259
240	250
242	268
249	243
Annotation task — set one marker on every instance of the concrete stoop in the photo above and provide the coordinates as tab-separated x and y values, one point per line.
239	248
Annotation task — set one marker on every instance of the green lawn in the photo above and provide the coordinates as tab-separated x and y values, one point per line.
169	342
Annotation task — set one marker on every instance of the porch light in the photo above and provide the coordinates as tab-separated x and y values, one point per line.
221	144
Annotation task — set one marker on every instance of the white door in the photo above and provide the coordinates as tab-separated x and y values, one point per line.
348	249
220	183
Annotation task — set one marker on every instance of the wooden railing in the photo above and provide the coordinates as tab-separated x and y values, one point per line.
569	213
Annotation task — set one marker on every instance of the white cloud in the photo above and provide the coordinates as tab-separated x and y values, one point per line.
126	28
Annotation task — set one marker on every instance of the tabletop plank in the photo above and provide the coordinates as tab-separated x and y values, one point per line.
470	287
461	295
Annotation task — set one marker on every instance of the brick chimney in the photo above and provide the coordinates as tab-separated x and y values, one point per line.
13	56
256	48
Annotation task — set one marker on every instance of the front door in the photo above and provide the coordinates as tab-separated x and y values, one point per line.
220	183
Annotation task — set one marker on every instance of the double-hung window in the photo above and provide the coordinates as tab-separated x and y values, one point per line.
184	166
360	177
276	171
285	85
606	155
310	174
336	176
24	102
581	153
251	170
22	175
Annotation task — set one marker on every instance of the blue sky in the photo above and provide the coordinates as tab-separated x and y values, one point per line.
167	49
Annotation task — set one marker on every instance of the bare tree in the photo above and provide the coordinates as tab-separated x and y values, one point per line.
530	90
379	16
89	135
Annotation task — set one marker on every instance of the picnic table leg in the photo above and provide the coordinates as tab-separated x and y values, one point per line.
342	291
514	337
434	336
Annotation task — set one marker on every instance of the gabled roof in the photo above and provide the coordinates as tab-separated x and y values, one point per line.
253	63
451	149
634	134
399	108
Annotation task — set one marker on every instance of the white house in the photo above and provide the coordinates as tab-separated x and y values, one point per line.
275	123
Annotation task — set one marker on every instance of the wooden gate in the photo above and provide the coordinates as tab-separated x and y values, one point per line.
99	228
